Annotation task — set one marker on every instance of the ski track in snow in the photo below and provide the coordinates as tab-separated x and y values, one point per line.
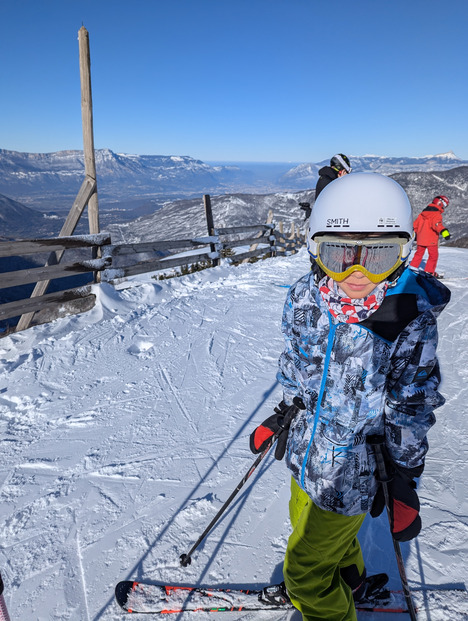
126	428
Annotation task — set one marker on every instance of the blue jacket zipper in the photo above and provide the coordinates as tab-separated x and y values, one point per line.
331	339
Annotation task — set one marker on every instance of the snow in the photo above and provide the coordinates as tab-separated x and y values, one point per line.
126	428
448	155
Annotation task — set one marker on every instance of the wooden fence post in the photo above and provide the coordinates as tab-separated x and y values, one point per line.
269	220
210	224
87	121
292	238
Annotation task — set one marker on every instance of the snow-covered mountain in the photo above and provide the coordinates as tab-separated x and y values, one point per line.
146	197
306	175
125	429
177	219
186	218
50	181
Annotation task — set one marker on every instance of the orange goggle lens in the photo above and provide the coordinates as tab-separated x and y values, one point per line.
375	259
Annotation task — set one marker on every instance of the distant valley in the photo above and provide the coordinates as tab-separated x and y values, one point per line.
143	198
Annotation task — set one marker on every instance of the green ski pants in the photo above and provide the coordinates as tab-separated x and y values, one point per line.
321	543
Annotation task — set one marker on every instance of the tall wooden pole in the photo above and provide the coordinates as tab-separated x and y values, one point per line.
88	190
87	121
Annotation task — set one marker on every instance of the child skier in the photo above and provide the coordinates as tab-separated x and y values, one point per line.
361	337
428	226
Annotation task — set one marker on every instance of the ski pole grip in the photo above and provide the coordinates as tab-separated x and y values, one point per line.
298	404
377	442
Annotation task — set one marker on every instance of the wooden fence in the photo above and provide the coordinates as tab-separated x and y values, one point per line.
262	241
236	244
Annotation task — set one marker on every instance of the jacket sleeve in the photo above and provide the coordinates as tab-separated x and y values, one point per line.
287	370
438	225
322	183
412	393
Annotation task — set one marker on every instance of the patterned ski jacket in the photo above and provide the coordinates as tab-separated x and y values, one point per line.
379	376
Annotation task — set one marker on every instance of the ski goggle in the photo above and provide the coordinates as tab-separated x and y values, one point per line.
375	258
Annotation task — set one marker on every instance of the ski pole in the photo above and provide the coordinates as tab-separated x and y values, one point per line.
377	442
186	559
4	616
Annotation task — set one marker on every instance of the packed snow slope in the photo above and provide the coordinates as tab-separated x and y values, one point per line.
125	429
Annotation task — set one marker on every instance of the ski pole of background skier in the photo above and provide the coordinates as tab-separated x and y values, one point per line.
4	616
186	559
376	442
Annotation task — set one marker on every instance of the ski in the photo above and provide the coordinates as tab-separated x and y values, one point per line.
147	598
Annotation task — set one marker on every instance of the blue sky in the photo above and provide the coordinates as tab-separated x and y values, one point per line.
238	80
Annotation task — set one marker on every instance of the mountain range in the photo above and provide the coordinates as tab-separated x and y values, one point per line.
50	181
148	197
306	175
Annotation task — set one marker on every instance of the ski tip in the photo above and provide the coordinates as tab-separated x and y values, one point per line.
122	590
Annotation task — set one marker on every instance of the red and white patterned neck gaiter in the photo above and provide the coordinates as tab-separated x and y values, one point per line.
350	310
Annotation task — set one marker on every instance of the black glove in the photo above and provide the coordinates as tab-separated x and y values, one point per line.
279	421
405	521
307	209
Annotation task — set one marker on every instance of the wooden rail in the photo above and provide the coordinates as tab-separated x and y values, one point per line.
32	246
57	300
52	305
51	272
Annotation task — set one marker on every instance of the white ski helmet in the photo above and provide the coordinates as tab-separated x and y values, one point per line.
361	203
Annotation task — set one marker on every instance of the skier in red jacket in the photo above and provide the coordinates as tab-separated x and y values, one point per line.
428	226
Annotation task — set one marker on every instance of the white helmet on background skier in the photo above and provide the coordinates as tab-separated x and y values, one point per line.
340	162
377	210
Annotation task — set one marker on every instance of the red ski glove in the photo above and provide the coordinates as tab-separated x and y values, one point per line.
405	521
279	421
